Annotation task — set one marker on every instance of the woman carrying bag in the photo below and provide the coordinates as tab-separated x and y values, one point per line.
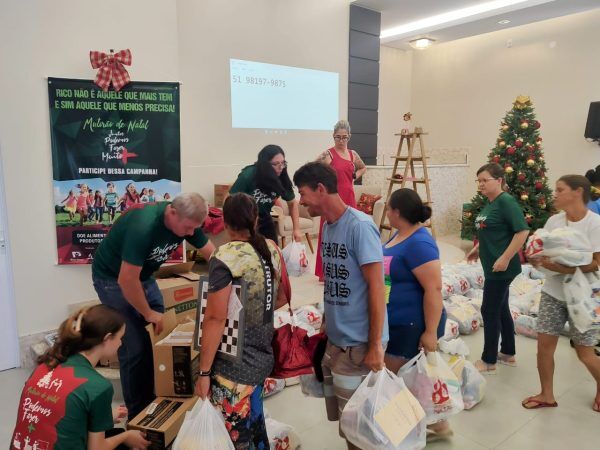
236	388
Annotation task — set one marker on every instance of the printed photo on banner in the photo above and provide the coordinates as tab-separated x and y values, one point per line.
111	152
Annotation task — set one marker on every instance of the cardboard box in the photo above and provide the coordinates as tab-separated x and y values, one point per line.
179	287
221	191
161	420
175	363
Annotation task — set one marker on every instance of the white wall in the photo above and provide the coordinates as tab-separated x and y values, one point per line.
462	89
310	33
395	83
185	40
39	39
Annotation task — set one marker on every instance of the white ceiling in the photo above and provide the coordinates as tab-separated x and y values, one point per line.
400	12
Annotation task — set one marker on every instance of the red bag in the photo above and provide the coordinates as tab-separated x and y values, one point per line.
292	348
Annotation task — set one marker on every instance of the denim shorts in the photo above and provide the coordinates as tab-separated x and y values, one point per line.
404	338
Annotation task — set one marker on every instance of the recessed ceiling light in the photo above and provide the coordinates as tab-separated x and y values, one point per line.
421	43
503	22
453	16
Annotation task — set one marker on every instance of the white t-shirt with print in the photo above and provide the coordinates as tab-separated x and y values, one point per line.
588	226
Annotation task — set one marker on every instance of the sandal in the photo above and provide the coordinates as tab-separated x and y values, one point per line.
433	436
537	404
485	368
507	360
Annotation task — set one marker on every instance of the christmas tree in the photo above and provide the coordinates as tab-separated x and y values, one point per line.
519	151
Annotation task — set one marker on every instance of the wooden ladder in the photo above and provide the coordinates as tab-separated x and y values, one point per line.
410	139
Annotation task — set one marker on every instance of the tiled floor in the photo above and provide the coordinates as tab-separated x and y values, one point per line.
499	422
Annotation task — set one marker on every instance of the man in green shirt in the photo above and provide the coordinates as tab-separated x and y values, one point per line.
136	246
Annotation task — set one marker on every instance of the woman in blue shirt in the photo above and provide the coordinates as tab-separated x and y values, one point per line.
413	276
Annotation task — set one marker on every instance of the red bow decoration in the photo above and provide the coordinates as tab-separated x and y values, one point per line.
112	69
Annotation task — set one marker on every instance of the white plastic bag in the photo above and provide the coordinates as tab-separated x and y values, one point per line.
281	436
272	386
311	387
473	385
526	326
434	384
472	382
565	245
454	347
451	330
203	428
295	258
582	302
383	415
462	311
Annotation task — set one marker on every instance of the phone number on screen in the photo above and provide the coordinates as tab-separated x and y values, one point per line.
259	81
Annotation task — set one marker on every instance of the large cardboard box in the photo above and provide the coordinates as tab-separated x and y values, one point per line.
161	420
221	191
179	287
175	360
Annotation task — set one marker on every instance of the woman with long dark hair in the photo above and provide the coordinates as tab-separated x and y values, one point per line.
266	180
66	403
236	387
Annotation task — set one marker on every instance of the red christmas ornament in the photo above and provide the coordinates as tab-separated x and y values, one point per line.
510	150
539	139
529	147
521	176
496	159
518	143
537	124
539	185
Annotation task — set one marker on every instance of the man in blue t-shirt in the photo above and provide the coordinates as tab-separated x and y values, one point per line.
354	295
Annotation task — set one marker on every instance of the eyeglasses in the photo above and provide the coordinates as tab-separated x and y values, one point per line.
282	164
341	138
484	180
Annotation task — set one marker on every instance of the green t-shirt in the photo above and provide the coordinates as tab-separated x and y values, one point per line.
245	183
59	407
496	226
141	238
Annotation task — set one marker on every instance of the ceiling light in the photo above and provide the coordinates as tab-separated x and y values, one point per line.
453	16
421	43
503	22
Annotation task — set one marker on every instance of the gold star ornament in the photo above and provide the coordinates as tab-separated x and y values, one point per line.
522	102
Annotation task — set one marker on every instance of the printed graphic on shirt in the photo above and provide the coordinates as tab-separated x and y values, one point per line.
387	261
42	406
161	254
480	222
336	273
260	197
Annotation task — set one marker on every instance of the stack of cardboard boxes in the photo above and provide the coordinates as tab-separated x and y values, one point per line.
175	360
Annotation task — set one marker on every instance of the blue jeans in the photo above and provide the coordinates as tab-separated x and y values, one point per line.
135	353
497	320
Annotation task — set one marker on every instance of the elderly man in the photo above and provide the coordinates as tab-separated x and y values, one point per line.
137	244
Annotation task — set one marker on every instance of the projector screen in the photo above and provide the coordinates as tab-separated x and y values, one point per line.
282	97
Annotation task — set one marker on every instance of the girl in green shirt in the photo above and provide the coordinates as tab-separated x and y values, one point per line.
66	404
